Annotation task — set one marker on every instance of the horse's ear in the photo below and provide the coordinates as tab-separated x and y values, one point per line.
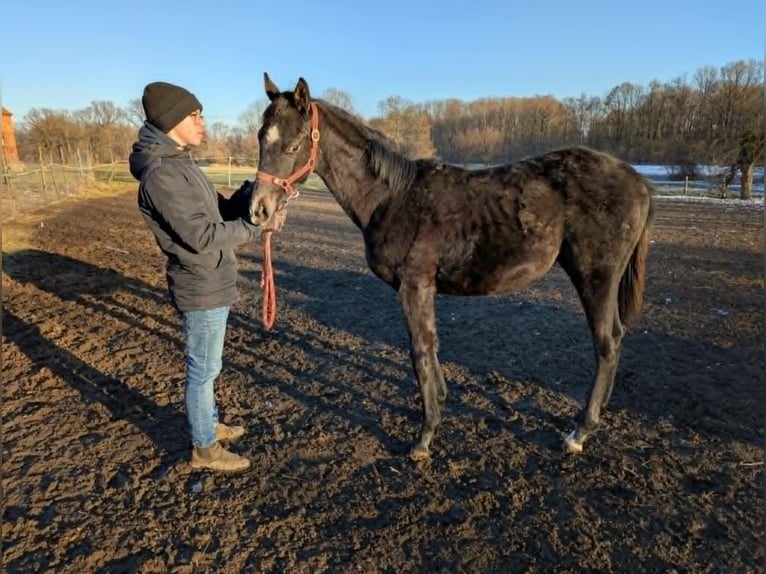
302	97
272	91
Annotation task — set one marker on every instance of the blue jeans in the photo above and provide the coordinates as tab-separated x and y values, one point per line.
205	332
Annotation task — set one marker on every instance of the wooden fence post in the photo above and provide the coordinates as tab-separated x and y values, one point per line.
42	173
64	182
79	164
53	180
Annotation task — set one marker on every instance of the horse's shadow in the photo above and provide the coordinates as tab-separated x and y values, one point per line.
553	350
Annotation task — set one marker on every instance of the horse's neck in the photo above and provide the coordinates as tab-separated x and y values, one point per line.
341	168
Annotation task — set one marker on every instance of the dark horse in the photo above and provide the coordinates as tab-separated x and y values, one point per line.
432	228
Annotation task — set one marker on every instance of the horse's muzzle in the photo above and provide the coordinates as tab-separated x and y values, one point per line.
259	211
267	199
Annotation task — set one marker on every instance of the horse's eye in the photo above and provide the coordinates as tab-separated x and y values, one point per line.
293	148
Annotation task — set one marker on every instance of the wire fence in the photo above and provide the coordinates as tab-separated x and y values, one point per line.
28	187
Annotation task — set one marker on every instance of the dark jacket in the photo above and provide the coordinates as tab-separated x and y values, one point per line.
195	227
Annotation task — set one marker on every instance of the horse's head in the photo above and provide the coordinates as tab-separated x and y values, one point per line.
288	141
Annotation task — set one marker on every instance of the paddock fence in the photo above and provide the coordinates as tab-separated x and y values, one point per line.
27	187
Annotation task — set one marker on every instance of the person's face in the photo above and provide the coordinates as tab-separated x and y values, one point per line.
191	130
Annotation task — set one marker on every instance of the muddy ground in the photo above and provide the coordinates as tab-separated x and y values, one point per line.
94	444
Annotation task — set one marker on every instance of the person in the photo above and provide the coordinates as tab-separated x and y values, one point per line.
197	229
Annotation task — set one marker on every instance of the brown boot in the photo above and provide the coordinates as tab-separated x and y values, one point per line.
217	458
225	433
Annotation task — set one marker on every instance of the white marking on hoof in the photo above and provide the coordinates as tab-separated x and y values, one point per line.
419	453
571	445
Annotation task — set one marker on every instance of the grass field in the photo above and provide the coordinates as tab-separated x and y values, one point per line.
221	175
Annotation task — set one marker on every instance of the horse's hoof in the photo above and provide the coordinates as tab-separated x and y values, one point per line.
571	445
419	453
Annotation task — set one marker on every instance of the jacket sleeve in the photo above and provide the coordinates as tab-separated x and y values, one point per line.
180	206
237	206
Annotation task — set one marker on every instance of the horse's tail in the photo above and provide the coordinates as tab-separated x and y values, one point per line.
633	280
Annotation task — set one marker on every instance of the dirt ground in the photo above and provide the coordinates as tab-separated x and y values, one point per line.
94	443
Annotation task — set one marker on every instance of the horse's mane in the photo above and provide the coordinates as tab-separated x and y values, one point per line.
380	156
389	166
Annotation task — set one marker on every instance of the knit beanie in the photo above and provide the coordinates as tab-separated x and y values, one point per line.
166	105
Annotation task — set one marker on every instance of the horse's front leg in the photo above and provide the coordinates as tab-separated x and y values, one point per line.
418	305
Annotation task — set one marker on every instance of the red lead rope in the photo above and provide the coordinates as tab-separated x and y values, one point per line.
269	312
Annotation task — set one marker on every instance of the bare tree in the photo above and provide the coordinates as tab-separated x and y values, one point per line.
216	145
392	110
737	116
621	104
251	119
243	146
52	132
101	123
339	98
446	117
582	110
407	125
134	112
751	148
219	131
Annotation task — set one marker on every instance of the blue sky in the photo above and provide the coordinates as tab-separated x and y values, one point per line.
64	55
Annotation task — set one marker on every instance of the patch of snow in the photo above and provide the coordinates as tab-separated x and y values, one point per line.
755	203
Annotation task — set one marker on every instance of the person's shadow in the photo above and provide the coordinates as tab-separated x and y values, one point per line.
95	290
163	424
146	322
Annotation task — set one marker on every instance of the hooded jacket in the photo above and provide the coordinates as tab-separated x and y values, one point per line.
195	227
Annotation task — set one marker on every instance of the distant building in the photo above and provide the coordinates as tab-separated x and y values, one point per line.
10	151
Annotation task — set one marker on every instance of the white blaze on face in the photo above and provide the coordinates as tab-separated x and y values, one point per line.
272	135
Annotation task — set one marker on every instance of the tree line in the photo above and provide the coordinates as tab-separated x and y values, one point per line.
715	116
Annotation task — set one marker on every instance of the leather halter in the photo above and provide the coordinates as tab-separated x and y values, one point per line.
287	183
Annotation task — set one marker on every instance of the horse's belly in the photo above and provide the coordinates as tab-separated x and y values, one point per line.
482	277
517	277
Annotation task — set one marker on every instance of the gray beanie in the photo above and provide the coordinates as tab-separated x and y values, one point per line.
166	105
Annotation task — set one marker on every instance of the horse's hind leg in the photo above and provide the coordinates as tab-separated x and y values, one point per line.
618	331
607	331
418	306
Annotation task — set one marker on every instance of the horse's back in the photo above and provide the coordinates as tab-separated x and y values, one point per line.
569	188
500	229
594	180
603	196
589	178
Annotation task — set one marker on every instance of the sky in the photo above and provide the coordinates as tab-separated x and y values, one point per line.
66	54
